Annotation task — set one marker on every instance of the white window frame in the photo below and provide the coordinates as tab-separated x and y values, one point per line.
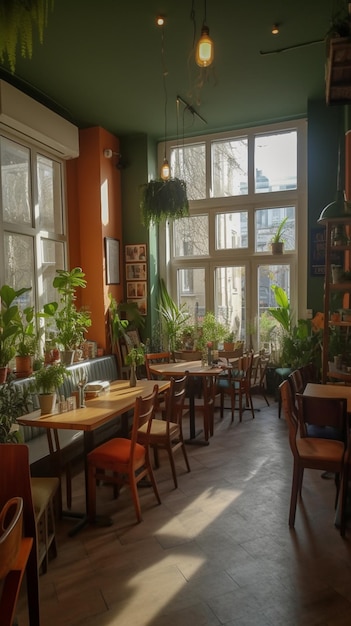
248	257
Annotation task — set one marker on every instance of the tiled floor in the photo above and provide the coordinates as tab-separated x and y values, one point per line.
217	551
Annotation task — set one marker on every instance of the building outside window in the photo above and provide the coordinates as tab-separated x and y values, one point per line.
33	219
240	186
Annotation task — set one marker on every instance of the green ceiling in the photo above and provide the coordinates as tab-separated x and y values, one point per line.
101	64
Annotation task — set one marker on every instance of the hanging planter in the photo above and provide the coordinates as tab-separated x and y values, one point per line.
19	20
162	200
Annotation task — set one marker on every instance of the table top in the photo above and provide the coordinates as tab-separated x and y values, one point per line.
194	368
119	399
329	391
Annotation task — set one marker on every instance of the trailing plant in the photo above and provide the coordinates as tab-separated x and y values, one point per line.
15	401
19	19
162	200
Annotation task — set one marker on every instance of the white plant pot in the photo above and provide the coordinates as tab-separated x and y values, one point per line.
47	402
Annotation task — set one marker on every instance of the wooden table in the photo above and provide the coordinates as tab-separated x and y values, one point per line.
329	391
118	400
194	369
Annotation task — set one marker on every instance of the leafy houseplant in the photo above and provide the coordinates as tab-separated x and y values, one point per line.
45	382
71	323
135	357
212	331
174	318
277	241
163	199
8	328
14	402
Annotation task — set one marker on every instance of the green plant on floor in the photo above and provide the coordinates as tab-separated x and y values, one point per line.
14	402
174	318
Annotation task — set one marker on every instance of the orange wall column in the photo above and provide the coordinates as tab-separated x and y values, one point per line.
94	212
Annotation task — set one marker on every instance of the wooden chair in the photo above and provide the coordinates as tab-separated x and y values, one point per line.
168	434
126	459
14	554
258	377
155	357
43	493
236	383
313	452
296	383
15	480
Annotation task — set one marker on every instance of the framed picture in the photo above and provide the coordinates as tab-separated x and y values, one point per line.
112	261
134	337
141	304
135	252
136	271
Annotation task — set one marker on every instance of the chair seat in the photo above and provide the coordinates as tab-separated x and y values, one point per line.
114	451
158	429
324	449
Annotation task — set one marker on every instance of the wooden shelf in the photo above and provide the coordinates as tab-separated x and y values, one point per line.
338	71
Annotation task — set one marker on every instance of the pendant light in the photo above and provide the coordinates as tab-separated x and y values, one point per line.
204	52
165	172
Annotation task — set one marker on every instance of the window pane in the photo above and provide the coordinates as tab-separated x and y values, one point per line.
230	299
188	163
269	331
229	168
231	230
191	290
190	235
52	260
19	266
266	224
15	179
275	162
50	206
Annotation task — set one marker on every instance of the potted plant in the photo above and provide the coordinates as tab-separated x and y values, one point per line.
135	357
174	318
26	341
14	402
162	200
229	341
277	242
71	323
45	382
8	326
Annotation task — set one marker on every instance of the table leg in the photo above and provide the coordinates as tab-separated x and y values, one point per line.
192	427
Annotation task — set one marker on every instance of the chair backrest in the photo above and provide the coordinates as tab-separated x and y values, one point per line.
15	481
11	518
296	382
144	410
155	357
290	414
175	400
322	412
309	374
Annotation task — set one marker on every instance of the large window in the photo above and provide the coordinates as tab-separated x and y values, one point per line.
32	221
241	186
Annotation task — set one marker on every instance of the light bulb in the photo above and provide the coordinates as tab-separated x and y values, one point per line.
204	53
165	170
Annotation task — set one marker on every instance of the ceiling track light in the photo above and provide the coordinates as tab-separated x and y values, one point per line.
204	52
275	29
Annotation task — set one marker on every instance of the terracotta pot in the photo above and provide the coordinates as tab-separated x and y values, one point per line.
67	356
228	346
3	374
24	366
277	247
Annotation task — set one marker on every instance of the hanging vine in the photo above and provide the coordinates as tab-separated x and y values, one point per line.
19	21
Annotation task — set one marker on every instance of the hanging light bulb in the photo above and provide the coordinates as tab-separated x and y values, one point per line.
204	53
165	170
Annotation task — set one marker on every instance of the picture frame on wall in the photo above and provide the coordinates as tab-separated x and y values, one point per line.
135	252
136	271
141	304
112	261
